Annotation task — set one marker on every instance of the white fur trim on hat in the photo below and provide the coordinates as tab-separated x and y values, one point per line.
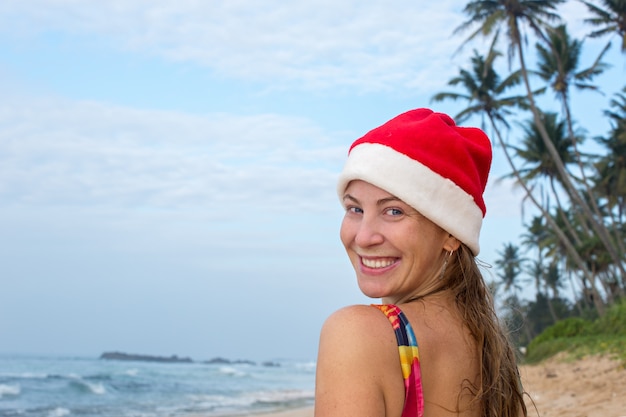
435	197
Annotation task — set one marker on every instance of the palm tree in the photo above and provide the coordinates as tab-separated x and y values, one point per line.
611	19
560	254
484	89
535	240
510	264
510	267
491	14
533	151
552	281
513	14
600	264
558	65
536	271
537	162
611	168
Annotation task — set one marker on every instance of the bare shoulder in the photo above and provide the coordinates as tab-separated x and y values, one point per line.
358	369
356	333
358	321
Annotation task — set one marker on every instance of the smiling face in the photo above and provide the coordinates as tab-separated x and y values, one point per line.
396	252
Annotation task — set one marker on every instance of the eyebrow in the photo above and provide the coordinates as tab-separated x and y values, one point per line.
380	202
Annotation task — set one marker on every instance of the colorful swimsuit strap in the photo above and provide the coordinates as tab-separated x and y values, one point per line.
409	360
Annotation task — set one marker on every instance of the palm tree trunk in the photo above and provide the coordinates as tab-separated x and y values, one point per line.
577	301
563	215
562	237
617	238
551	308
572	192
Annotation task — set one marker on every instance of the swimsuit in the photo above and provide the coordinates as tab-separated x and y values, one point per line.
409	360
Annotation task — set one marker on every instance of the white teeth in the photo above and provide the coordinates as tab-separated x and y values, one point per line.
376	263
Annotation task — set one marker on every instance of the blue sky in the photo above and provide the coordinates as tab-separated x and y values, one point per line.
167	169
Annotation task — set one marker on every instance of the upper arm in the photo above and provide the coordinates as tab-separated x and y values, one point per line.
358	370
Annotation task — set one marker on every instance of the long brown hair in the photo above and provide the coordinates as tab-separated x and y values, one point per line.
500	392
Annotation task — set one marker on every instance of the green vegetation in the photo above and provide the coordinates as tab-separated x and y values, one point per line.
580	337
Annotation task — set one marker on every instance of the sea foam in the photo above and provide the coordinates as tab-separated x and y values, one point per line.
59	412
9	390
229	370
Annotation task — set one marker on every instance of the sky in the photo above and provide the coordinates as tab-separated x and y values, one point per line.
168	169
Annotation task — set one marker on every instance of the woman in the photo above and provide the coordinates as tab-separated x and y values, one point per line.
412	191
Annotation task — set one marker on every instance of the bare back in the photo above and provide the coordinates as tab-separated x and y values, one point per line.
449	357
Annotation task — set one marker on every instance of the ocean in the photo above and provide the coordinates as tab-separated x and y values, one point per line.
37	386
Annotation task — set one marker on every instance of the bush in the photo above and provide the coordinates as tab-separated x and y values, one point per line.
613	322
579	337
570	327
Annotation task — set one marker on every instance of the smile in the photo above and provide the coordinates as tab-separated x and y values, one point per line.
378	263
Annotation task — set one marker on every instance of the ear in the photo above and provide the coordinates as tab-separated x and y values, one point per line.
451	243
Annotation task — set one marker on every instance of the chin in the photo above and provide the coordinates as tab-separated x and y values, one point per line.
370	292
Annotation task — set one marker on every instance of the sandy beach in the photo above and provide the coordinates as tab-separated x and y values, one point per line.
589	387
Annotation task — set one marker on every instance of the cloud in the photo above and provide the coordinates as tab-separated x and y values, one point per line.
574	13
74	153
370	46
304	44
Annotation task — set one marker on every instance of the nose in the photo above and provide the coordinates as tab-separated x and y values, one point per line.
369	232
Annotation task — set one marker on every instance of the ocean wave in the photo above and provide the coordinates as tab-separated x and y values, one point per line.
88	387
251	398
23	375
231	371
59	412
257	402
211	401
9	390
67	388
281	397
97	377
306	366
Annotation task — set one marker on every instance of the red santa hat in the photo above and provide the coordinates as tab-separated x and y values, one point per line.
430	163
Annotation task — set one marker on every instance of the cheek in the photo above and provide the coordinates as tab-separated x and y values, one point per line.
425	241
345	232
